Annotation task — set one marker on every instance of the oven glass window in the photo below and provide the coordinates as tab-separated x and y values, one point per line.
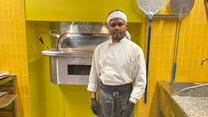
79	69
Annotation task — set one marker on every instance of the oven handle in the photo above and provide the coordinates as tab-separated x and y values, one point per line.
53	34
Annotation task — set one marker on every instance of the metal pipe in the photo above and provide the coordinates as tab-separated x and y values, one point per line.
203	61
175	64
166	16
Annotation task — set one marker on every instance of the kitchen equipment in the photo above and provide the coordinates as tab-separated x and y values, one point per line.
41	40
150	7
71	59
181	8
178	86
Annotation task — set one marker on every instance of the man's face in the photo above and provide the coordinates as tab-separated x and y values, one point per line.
117	28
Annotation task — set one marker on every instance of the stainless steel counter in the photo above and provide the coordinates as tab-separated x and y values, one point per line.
165	91
164	85
172	105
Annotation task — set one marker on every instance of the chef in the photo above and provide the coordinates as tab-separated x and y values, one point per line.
116	64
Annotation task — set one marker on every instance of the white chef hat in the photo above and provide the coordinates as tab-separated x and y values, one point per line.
119	14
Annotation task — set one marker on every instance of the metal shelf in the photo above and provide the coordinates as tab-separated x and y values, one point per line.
4	80
9	85
165	16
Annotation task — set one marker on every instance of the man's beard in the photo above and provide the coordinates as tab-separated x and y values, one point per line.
117	37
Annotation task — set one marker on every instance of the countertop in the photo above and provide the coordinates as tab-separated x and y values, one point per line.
192	106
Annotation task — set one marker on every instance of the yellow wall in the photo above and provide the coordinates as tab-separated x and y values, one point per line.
79	10
193	47
13	52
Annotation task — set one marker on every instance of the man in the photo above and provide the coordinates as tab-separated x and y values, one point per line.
116	64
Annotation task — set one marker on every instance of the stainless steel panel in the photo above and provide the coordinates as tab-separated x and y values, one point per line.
74	61
60	70
67	53
54	70
74	80
178	86
80	27
81	42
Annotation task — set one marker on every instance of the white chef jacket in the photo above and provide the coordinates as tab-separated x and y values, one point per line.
117	64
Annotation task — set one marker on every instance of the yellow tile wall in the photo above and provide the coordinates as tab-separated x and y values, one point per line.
193	47
13	53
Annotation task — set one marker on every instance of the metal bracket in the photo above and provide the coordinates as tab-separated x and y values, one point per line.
166	16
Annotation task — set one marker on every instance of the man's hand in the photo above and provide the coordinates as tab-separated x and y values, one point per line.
126	110
94	106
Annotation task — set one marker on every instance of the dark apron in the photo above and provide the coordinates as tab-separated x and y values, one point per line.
112	98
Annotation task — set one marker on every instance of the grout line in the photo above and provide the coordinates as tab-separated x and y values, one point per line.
182	47
13	31
11	8
188	51
195	45
15	20
3	67
201	46
168	58
157	58
159	49
174	34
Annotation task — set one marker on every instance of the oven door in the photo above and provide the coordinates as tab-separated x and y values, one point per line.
71	70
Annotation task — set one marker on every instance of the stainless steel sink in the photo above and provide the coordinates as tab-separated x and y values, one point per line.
178	86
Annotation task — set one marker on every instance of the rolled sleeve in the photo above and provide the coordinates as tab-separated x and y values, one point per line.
92	87
133	100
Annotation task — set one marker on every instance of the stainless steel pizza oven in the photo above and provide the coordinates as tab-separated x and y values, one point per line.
71	58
